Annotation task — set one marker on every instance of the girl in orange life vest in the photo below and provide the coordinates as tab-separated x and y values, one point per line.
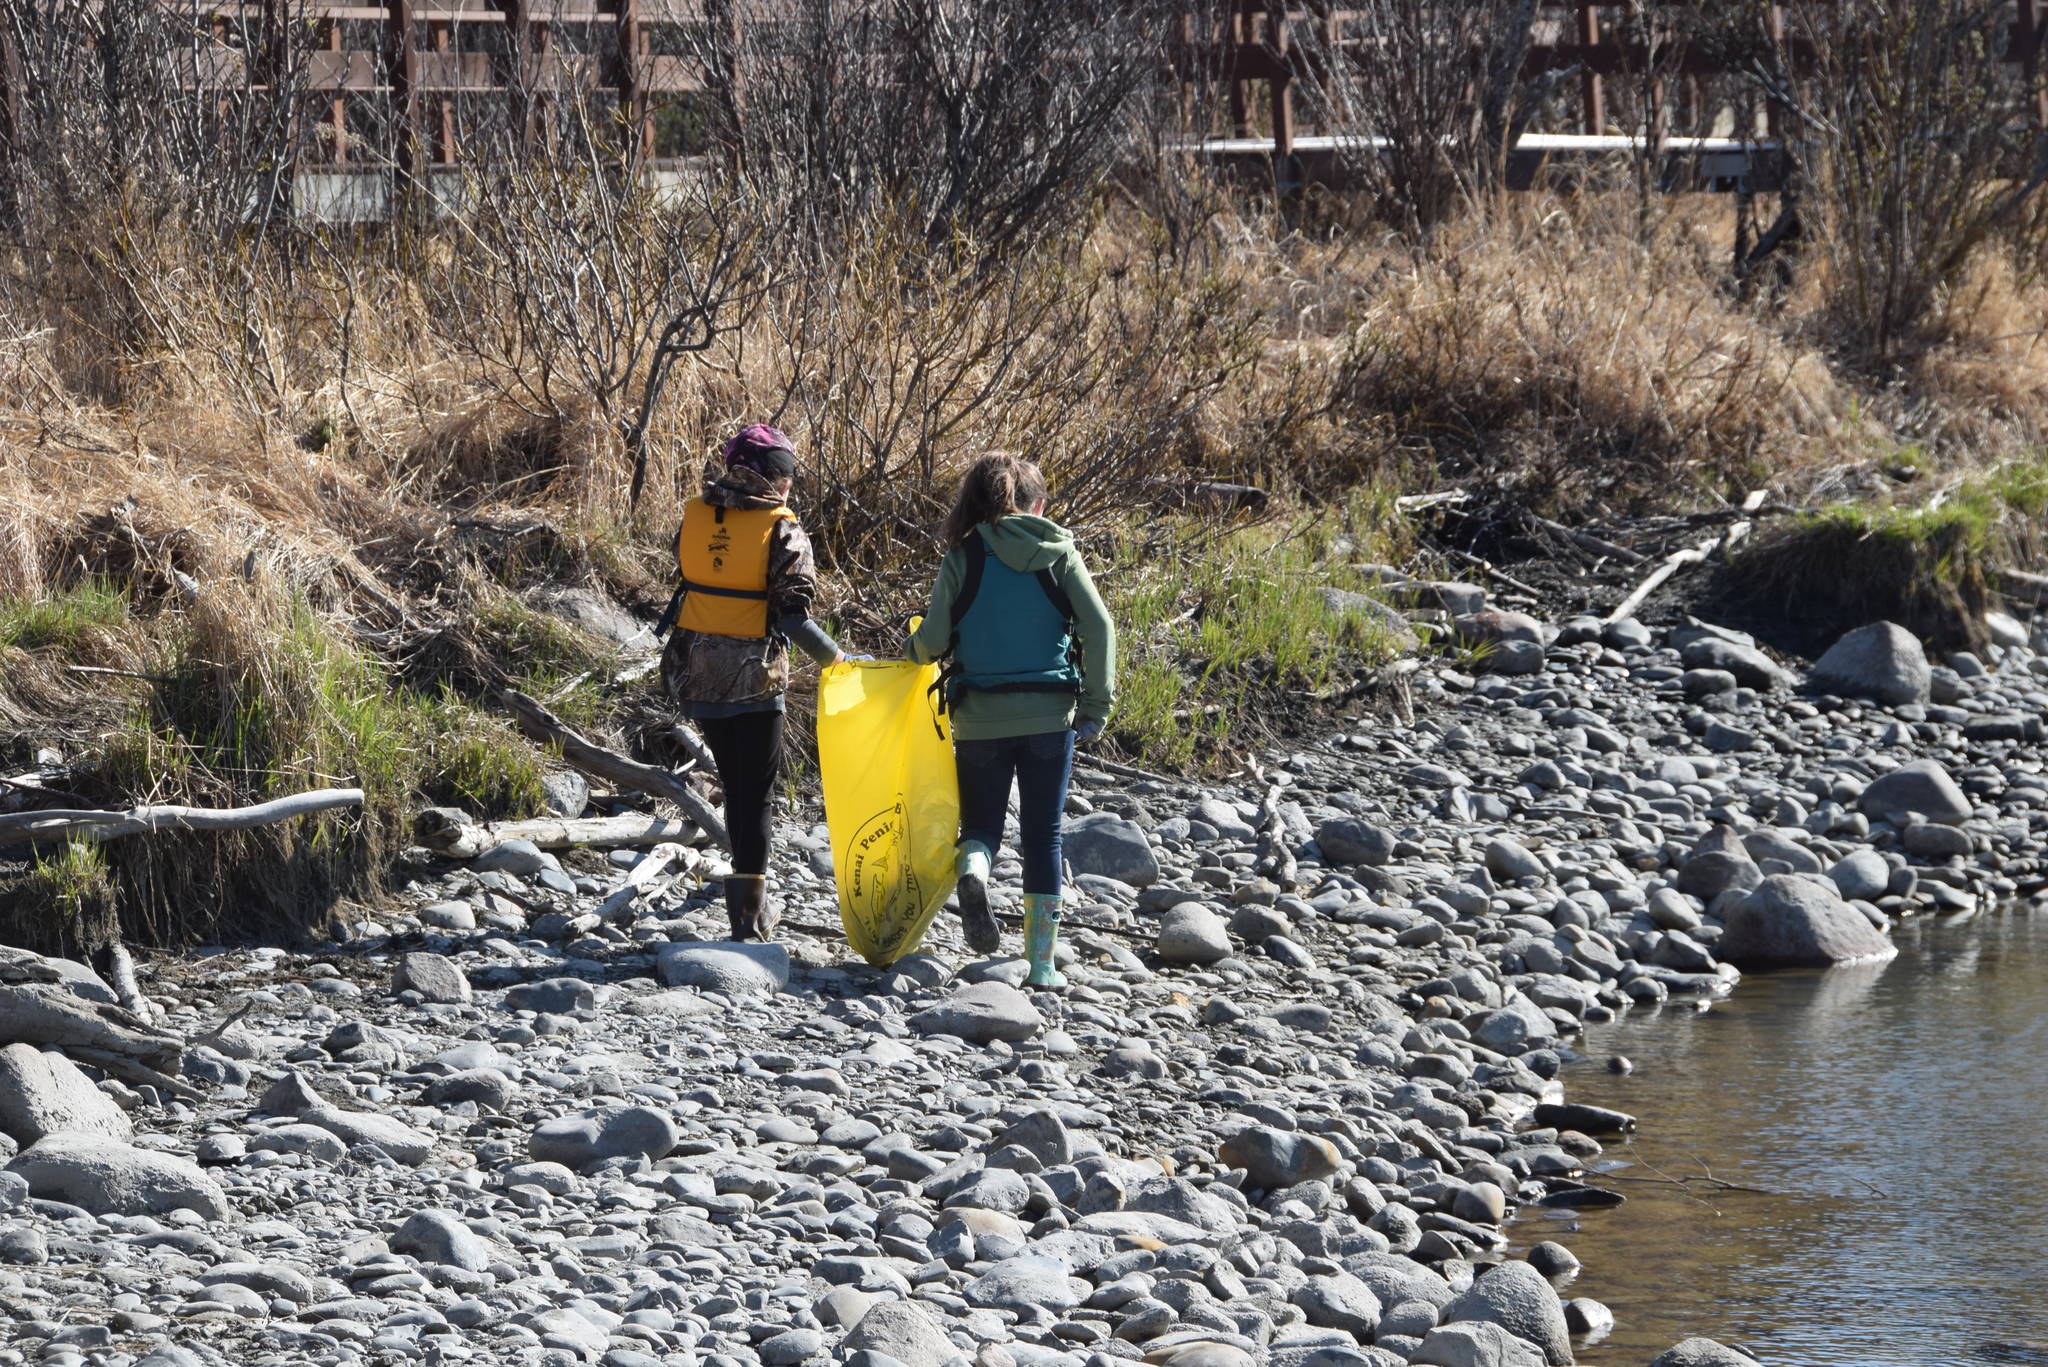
748	581
1012	597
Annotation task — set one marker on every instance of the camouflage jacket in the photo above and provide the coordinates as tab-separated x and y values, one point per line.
720	675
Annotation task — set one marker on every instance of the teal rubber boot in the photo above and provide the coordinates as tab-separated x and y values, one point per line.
977	922
1041	933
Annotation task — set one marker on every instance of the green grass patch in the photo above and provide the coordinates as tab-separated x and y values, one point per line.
63	619
64	904
1227	635
1925	565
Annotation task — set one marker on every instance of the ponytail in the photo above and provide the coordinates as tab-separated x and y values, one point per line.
993	487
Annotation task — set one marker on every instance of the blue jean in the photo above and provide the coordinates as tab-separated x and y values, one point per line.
1040	765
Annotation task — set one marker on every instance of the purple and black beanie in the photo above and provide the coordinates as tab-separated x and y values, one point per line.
762	449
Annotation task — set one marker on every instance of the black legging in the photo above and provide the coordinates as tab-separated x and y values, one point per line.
748	749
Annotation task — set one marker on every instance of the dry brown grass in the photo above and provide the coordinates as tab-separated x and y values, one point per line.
304	441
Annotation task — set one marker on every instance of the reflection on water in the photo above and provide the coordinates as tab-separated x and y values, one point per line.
1895	1118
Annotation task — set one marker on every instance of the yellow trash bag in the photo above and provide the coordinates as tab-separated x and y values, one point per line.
892	801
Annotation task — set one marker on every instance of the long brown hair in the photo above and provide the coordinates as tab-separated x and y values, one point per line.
994	486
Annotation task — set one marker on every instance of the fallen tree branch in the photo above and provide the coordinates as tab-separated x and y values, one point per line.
1586	541
641	878
23	827
45	1013
544	727
452	835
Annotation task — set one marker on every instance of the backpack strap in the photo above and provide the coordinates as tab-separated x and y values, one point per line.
971	569
1058	595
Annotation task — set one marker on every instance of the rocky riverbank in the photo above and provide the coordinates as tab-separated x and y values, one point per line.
1264	1123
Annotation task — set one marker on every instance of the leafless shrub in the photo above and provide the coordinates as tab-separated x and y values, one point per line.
575	283
988	122
1422	96
1917	139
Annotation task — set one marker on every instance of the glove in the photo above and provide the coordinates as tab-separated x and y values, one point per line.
869	658
1087	731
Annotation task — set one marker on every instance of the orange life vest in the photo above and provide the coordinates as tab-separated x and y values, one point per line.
723	556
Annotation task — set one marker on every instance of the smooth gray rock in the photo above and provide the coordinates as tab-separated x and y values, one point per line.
982	1013
404	1143
1750	666
581	1142
438	1236
43	1093
903	1330
520	858
736	968
1922	786
1192	934
1699	1352
1475	1344
108	1177
552	996
1515	1297
1347	840
435	977
1025	1284
1340	1301
1883	661
1518	1024
1930	841
1794	922
1509	860
1275	1159
1717	862
566	792
308	1141
1862	874
1395	1279
1108	846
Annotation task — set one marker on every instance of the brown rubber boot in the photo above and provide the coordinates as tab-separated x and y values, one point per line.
746	906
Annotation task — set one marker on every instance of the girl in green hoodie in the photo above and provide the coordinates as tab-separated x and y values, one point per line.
1033	671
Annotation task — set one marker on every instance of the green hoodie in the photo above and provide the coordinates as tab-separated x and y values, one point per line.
1027	544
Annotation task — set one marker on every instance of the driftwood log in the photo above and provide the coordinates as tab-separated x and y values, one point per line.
108	1036
545	728
23	827
451	833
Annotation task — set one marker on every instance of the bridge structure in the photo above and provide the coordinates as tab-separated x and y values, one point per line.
390	88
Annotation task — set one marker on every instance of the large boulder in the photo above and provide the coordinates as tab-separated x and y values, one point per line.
1921	786
581	1142
1516	1297
1795	922
736	968
1105	844
1883	661
43	1093
981	1014
107	1177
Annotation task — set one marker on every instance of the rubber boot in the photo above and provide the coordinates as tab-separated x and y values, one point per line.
977	922
1041	933
746	898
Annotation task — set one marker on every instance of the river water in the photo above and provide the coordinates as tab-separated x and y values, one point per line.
1895	1118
